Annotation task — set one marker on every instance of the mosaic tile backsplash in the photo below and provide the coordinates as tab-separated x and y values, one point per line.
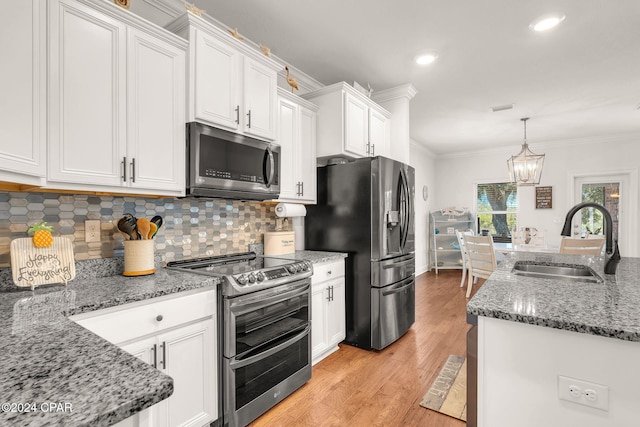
192	227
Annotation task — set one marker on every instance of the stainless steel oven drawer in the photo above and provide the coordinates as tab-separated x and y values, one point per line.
388	271
393	311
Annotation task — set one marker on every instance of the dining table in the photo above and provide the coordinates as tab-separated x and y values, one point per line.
507	247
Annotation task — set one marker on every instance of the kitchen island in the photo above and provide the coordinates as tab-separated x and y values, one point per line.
532	331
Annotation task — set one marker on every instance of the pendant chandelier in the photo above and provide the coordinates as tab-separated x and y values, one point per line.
525	168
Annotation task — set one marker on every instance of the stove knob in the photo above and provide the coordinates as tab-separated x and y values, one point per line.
260	276
298	267
252	278
291	268
305	267
242	279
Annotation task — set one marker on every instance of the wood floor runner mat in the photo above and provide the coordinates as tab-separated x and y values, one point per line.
448	393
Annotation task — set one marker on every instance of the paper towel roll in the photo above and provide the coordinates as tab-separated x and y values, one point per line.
290	210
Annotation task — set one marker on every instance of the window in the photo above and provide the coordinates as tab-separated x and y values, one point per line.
606	194
497	208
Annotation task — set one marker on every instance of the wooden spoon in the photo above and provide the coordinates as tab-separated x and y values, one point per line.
143	228
152	230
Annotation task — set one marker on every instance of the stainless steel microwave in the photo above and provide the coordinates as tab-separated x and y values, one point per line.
227	165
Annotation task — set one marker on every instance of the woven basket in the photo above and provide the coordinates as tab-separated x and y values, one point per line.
138	257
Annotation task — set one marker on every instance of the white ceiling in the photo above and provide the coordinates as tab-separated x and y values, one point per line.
578	81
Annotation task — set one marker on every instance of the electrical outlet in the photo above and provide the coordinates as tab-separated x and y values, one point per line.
583	392
92	230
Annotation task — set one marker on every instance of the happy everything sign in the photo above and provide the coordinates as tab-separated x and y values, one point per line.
33	266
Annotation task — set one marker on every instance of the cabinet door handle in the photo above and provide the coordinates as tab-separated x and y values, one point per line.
367	148
331	292
373	149
124	169
302	188
328	293
155	355
164	355
159	317
237	114
249	121
133	170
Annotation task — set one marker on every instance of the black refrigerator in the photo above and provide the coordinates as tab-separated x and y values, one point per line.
365	208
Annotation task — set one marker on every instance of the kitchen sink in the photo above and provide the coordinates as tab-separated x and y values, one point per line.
578	273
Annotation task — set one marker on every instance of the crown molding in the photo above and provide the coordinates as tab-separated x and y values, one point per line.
407	91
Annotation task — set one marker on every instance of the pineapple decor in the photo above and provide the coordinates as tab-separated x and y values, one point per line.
42	237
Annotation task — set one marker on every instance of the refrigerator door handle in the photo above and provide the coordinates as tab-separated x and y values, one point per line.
411	258
407	283
405	209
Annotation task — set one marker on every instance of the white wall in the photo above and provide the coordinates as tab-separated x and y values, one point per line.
457	174
424	163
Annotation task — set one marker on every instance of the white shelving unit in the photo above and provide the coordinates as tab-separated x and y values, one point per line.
444	251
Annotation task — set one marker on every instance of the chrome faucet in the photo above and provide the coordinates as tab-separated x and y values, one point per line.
611	253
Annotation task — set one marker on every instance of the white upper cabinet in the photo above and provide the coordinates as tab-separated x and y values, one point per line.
116	107
23	88
260	99
297	139
349	123
231	85
356	134
216	99
379	134
155	110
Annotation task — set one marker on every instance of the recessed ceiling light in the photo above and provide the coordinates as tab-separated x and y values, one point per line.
547	22
426	58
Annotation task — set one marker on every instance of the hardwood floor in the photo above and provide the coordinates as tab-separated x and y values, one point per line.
355	387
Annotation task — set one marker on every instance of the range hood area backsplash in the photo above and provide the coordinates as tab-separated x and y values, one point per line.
192	227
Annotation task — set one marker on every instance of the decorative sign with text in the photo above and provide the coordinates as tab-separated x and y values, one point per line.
544	198
33	266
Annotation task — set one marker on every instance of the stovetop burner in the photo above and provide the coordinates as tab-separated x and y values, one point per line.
246	272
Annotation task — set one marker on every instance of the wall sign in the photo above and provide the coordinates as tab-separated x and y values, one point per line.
544	198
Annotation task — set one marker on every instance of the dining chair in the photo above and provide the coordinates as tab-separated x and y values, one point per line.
482	258
463	253
589	246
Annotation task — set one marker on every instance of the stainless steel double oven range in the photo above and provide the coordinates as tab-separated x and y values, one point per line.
265	329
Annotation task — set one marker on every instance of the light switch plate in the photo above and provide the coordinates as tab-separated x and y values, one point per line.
583	392
92	230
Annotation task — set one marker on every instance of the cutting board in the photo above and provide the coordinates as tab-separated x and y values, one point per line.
33	266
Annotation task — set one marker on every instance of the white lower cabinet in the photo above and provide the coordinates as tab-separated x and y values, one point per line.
328	327
177	335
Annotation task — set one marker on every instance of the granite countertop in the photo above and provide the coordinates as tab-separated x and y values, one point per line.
609	308
66	374
315	257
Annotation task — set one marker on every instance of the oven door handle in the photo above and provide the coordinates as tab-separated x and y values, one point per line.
256	303
236	363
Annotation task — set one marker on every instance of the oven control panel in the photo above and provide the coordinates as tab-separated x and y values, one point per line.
263	276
